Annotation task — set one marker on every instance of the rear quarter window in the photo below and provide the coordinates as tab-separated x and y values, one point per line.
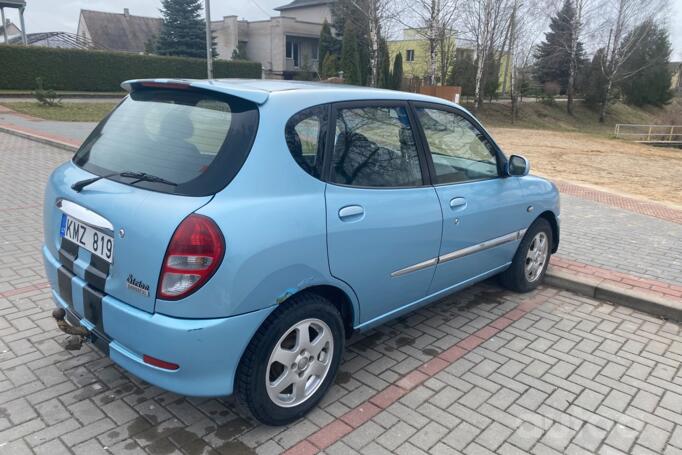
198	140
304	134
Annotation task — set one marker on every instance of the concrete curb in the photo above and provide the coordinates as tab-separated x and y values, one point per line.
597	288
38	138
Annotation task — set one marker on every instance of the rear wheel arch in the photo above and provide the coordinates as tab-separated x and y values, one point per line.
551	219
339	299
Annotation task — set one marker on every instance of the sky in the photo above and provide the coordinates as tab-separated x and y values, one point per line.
62	15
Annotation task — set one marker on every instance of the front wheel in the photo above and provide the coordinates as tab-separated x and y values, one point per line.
531	259
292	360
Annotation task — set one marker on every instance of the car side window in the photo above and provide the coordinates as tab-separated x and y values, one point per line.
460	152
304	134
374	146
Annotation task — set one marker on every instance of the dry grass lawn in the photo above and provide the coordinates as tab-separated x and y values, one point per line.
626	168
65	112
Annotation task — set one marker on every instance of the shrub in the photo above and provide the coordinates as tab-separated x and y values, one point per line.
45	97
550	91
100	71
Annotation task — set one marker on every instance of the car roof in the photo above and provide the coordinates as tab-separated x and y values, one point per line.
260	90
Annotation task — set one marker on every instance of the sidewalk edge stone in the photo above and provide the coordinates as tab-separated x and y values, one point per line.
38	138
572	282
604	290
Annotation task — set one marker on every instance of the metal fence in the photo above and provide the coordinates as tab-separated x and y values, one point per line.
650	134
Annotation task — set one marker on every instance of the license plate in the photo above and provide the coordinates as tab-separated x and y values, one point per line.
96	242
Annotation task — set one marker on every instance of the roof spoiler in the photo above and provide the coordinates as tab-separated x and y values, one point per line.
238	90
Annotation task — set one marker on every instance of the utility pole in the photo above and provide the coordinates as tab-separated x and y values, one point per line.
4	24
209	40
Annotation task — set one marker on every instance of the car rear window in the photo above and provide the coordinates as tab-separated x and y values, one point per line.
198	140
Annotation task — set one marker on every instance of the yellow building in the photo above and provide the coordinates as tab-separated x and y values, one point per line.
415	51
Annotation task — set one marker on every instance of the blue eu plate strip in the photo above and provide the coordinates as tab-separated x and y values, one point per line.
62	227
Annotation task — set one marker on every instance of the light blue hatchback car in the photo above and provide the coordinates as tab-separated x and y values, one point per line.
227	236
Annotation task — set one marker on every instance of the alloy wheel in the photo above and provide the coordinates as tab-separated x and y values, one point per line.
299	362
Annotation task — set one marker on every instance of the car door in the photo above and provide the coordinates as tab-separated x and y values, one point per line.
483	211
383	219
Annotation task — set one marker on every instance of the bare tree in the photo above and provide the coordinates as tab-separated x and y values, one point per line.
378	14
486	23
576	29
621	17
435	23
526	25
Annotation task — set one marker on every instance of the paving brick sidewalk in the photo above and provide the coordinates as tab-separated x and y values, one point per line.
482	371
620	240
72	133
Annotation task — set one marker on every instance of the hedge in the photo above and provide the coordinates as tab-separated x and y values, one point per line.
103	71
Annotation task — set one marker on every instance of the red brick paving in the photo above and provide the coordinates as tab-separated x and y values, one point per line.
334	431
361	414
25	289
622	202
329	434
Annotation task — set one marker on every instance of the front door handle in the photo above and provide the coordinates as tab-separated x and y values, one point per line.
457	202
351	212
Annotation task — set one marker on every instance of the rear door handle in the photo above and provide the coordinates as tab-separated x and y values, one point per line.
457	202
351	212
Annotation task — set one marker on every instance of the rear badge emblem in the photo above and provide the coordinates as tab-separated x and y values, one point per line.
137	285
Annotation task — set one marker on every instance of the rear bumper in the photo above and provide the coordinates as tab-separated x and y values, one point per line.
207	350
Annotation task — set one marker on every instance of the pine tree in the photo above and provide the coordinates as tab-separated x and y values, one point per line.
463	73
350	57
328	44
596	82
183	32
352	11
397	74
492	79
647	78
239	53
329	67
554	54
384	65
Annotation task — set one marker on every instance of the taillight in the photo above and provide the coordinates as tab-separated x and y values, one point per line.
193	255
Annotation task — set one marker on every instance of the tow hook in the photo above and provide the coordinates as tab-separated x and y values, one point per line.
78	333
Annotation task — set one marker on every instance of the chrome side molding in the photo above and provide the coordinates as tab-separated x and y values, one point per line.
84	215
492	243
414	268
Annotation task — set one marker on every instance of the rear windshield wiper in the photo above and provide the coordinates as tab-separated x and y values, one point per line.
138	176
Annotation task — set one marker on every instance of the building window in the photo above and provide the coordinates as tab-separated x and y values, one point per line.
292	51
410	55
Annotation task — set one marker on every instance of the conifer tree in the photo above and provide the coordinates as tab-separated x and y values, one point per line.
183	32
328	44
384	65
554	54
397	73
329	68
646	77
350	57
354	11
463	73
596	82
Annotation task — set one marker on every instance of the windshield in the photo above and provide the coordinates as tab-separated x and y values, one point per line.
197	140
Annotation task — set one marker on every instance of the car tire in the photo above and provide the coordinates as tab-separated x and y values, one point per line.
279	394
530	262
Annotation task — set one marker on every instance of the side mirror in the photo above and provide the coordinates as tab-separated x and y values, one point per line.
518	166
